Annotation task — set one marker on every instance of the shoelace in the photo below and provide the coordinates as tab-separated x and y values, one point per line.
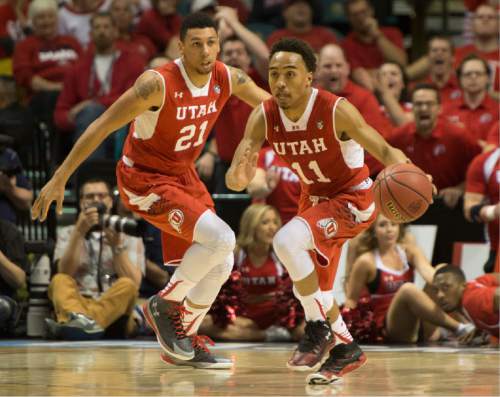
312	337
176	314
200	342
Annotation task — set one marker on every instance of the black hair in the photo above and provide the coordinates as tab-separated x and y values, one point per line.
404	92
426	86
196	20
233	37
473	57
455	270
298	47
94	180
348	3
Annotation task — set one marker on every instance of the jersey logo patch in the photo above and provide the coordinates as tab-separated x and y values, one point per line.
320	125
217	89
176	219
328	226
178	94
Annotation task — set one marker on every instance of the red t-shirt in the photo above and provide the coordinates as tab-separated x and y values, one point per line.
138	44
483	177
492	57
449	92
445	154
170	139
477	303
48	59
368	55
285	197
477	122
317	37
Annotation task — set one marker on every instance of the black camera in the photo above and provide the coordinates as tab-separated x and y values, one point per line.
129	226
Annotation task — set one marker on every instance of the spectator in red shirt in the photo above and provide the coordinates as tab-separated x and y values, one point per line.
298	15
161	25
441	73
391	90
122	13
276	184
481	202
492	139
477	300
332	74
476	110
41	60
486	43
368	45
96	81
444	151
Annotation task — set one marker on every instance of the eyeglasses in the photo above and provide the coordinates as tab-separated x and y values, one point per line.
93	196
472	73
486	17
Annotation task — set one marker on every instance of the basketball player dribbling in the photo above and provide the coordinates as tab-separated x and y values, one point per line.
321	137
172	110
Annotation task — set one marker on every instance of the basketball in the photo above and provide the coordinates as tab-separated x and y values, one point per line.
402	192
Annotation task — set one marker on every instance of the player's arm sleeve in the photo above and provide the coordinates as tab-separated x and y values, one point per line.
246	89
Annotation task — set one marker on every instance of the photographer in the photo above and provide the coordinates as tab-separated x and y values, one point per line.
15	189
99	271
13	266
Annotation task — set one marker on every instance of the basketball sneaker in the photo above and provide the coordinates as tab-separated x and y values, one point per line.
166	319
317	341
203	358
343	359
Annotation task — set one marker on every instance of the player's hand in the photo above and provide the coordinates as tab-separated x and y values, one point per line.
205	166
52	191
450	196
272	178
239	175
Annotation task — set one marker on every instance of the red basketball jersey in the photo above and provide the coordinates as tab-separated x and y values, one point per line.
387	282
168	140
477	303
325	165
483	177
259	280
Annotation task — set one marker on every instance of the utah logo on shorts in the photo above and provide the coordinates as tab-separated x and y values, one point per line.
329	227
176	219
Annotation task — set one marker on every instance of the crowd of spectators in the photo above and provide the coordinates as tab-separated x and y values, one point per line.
63	63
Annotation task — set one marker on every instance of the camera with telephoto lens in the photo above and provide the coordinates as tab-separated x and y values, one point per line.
129	226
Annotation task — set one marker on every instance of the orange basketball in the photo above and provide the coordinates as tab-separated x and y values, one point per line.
402	192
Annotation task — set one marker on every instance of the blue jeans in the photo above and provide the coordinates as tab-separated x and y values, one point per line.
106	150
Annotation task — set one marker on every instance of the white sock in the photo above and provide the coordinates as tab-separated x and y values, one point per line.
342	334
312	304
177	287
194	318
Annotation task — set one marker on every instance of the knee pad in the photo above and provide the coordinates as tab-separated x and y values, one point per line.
292	238
215	234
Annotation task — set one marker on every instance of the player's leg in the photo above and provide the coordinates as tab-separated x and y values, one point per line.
292	245
408	308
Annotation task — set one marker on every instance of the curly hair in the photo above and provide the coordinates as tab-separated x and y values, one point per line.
298	47
197	20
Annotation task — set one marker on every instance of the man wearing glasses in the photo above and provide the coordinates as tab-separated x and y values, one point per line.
99	272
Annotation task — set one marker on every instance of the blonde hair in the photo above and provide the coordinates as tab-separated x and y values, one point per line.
37	6
368	240
249	222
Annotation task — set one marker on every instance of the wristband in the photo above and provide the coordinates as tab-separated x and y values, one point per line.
474	213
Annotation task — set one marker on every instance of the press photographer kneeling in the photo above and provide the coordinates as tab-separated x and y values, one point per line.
99	271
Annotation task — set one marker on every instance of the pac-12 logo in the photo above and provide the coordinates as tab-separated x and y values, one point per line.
176	219
329	227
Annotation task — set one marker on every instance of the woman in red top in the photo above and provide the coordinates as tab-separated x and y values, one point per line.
257	303
396	305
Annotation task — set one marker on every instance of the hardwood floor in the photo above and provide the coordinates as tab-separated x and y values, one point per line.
134	368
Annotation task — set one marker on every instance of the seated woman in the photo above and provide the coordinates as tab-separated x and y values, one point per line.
393	303
257	302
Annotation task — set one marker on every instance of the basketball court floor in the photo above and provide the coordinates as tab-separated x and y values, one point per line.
134	368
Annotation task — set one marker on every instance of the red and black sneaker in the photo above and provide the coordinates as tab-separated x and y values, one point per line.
343	359
203	358
166	319
317	341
